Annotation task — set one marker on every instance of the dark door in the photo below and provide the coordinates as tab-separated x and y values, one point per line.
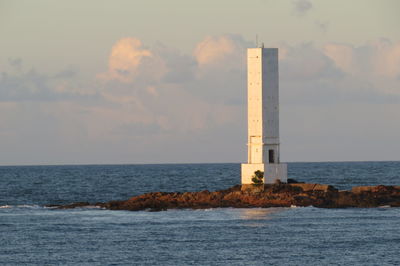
271	156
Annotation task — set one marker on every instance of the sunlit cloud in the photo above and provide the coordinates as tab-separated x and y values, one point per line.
129	60
158	95
220	49
342	55
213	49
378	58
305	62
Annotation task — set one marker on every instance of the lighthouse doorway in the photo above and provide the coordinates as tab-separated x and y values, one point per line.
271	156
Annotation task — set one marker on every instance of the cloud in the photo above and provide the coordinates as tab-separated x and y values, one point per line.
341	56
217	50
338	73
196	92
214	49
158	102
179	67
221	72
378	58
376	63
129	60
214	72
66	73
166	98
204	91
35	86
301	7
305	62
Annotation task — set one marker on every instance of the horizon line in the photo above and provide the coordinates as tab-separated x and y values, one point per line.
180	163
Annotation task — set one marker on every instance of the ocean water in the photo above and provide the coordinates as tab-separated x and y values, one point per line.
31	234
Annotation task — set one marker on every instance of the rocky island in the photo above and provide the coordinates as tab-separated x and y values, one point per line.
261	196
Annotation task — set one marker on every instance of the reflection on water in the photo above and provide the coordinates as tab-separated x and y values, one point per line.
259	213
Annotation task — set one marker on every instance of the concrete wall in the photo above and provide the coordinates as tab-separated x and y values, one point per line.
263	104
248	171
270	99
263	116
271	172
254	105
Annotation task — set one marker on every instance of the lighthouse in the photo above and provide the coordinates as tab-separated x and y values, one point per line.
263	117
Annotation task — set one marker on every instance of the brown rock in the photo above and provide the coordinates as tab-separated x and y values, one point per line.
304	186
269	195
362	189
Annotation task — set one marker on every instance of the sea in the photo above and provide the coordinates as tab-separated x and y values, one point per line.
32	234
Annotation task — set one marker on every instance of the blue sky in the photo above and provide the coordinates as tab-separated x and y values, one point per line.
165	81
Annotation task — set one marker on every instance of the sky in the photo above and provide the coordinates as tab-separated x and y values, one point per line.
109	82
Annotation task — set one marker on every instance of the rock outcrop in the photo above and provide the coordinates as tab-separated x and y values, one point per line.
264	196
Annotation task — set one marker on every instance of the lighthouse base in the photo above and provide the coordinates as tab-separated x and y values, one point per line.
272	172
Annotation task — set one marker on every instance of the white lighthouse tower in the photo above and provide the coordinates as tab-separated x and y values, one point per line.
263	116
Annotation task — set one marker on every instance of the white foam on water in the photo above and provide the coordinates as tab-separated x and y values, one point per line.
302	207
92	207
18	206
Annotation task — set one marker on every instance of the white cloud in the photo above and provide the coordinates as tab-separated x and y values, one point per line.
35	86
129	60
157	102
375	63
222	51
305	62
378	58
213	50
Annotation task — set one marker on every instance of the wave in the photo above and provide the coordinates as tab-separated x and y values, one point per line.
92	207
295	206
19	206
76	208
304	207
